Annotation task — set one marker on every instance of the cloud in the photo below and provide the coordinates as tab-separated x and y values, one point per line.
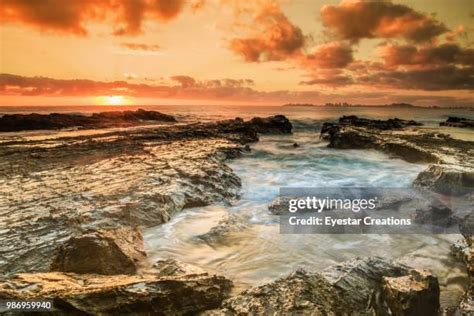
222	90
275	37
72	17
428	56
441	78
330	55
141	46
355	20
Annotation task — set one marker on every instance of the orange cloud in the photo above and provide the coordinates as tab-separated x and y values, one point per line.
355	20
238	90
275	38
72	17
330	55
141	46
428	56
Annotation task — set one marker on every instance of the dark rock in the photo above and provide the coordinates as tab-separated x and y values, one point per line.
389	124
295	145
104	252
450	180
414	294
21	122
278	124
453	121
147	294
169	267
436	214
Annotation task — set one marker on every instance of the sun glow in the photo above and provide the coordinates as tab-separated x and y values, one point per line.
114	100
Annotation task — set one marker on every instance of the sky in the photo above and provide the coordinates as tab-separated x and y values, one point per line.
260	52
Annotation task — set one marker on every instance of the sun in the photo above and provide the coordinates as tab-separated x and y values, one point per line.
114	100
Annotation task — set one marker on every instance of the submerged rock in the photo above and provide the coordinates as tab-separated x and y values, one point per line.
117	251
147	294
22	122
217	234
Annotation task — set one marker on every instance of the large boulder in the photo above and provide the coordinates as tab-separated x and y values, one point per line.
118	251
119	294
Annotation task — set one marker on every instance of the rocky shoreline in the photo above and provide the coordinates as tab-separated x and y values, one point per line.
450	173
74	235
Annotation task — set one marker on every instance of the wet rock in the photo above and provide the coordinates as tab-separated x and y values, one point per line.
295	145
21	122
454	121
299	293
414	294
359	281
436	214
111	180
353	287
117	251
169	267
217	234
274	124
452	169
120	294
450	180
389	124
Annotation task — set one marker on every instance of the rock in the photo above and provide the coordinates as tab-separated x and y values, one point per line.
436	214
300	292
414	294
230	223
21	122
295	145
274	124
89	179
389	124
450	180
452	169
351	288
454	121
169	267
358	282
117	251
120	294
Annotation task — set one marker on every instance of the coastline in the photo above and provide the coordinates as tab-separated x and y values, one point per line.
199	155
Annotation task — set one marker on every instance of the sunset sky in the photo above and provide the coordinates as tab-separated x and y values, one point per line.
56	52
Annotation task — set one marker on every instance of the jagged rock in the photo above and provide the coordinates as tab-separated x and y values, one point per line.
299	293
351	288
117	251
21	122
414	294
451	180
89	179
452	171
230	223
119	294
453	121
464	250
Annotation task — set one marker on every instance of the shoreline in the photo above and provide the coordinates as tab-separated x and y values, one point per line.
227	140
